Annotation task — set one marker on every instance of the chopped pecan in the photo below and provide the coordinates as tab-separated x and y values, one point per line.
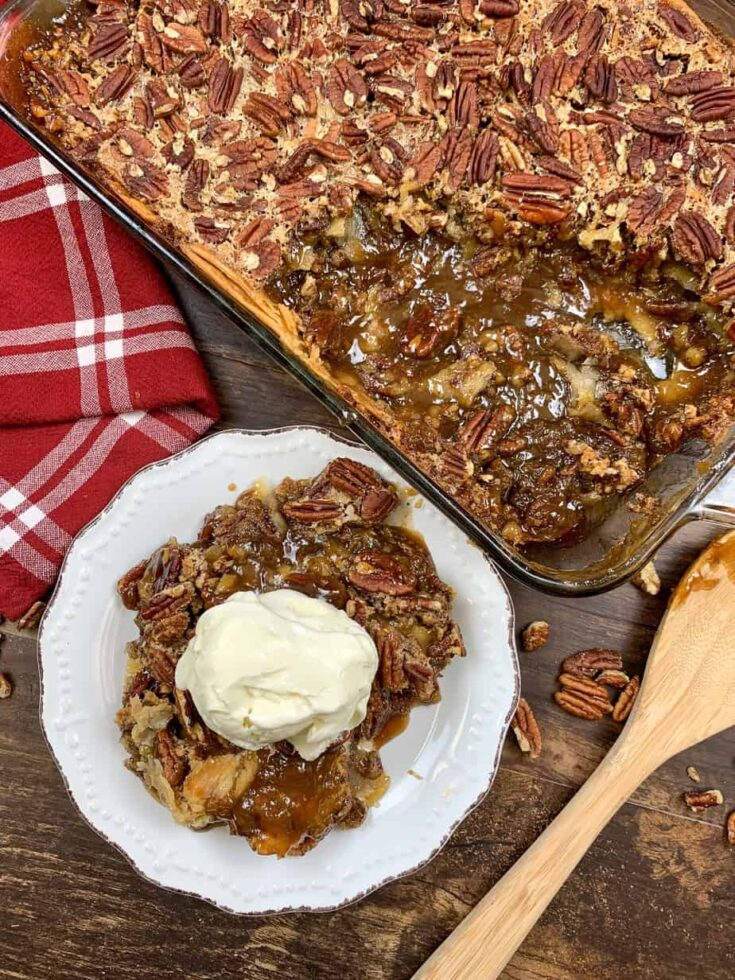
587	663
174	767
427	330
693	774
376	571
730	829
626	700
526	730
6	686
535	635
32	616
212	231
647	579
699	800
127	586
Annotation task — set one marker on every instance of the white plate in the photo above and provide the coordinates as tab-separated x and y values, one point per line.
453	746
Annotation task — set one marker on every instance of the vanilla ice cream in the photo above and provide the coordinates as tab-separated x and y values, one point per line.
281	665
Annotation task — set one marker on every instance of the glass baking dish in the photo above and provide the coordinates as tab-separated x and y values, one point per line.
611	552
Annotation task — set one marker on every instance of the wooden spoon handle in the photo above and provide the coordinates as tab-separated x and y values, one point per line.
486	939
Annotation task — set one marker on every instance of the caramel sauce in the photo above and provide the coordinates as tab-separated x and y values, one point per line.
392	729
289	798
717	561
547	334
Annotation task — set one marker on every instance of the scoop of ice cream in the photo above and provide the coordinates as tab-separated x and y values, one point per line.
280	665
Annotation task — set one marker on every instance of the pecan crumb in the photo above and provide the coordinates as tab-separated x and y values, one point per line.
624	704
535	635
647	579
699	800
6	686
526	730
730	829
32	617
693	774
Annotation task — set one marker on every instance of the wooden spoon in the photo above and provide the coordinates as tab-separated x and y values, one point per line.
687	694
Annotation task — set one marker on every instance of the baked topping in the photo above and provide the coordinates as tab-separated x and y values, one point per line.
606	121
507	229
324	539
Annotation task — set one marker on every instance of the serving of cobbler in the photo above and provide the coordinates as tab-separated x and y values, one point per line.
327	537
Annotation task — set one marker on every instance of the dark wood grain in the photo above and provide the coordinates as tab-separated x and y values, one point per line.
654	898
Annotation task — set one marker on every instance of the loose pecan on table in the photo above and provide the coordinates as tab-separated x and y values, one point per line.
699	800
526	730
535	635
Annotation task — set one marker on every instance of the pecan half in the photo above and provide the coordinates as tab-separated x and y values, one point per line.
580	706
699	800
695	240
389	644
225	83
345	88
499	8
376	571
72	84
692	83
730	829
526	730
183	39
587	663
712	104
312	511
584	687
115	85
624	704
678	22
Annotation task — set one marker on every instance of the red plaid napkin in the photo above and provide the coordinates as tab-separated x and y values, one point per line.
98	375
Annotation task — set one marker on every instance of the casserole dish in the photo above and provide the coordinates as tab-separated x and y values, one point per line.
618	543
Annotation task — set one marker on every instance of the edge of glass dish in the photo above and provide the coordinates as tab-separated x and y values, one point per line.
526	571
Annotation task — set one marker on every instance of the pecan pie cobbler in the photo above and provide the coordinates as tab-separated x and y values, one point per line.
503	229
327	538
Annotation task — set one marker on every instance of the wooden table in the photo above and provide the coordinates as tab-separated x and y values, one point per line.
654	898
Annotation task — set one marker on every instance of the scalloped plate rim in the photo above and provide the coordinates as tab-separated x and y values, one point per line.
130	858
